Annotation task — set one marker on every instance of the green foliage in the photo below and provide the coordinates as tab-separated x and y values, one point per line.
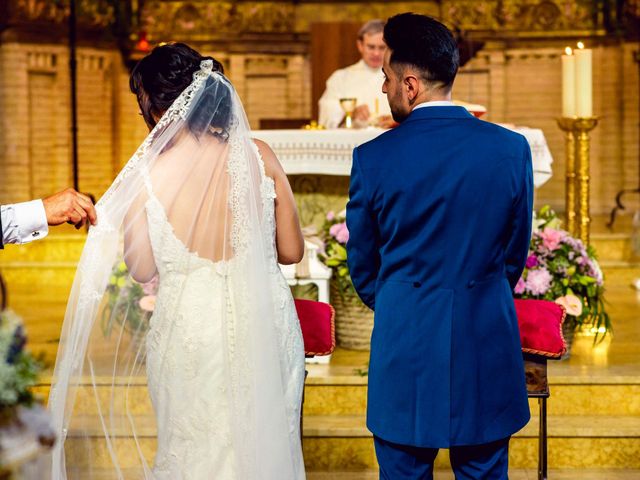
19	370
123	303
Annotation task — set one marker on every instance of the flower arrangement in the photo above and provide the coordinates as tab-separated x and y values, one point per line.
19	370
335	236
561	269
128	301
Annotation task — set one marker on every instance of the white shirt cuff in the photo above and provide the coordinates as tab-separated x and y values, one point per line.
24	222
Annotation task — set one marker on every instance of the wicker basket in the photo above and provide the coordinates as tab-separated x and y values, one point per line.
354	320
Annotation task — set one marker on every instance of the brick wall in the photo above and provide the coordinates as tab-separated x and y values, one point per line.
520	86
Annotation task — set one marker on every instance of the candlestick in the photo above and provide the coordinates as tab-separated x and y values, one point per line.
583	127
571	205
577	174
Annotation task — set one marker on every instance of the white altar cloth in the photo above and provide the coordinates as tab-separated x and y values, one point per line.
328	152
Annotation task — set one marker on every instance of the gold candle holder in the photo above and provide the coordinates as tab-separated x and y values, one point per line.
567	125
577	174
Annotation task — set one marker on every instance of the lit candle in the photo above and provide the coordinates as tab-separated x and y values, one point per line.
568	83
584	86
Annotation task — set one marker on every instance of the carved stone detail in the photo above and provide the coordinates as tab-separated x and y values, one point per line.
198	20
520	15
91	13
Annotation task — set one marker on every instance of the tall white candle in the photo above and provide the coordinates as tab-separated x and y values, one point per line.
584	82
568	84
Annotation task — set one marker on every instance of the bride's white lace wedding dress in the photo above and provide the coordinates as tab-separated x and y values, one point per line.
185	352
221	355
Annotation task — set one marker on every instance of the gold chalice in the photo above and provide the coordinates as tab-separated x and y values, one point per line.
348	105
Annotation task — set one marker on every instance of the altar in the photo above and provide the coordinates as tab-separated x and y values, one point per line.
328	152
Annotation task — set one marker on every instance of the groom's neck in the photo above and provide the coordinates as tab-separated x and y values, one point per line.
432	95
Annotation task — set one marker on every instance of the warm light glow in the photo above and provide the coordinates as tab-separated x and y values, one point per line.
142	45
161	44
568	51
580	45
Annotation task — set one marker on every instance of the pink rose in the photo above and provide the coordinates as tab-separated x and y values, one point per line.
331	215
520	286
551	238
151	287
571	303
538	281
148	303
340	232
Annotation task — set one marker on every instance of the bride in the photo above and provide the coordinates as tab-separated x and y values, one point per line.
181	355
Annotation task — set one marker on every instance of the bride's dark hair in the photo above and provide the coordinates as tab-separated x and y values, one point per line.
160	77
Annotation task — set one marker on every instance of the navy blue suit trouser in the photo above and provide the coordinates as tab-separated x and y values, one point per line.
489	461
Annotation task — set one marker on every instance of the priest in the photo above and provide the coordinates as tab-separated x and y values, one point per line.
362	81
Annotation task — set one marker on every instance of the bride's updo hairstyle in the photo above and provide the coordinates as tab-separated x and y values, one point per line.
160	77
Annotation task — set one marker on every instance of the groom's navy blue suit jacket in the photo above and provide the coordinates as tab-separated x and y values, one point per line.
439	218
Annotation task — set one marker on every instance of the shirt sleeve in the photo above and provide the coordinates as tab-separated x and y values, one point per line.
23	222
329	111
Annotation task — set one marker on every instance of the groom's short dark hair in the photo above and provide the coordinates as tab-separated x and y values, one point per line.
424	43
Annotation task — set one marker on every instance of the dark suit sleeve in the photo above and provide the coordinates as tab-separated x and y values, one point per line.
522	217
363	256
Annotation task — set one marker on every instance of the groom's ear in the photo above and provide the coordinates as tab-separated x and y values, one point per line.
411	85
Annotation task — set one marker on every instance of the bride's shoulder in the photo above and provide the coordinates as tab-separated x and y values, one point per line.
272	166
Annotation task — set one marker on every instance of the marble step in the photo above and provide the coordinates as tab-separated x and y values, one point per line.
343	442
514	474
351	399
619	272
439	474
335	443
566	399
612	246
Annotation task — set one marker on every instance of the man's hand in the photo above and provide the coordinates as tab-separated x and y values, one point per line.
361	113
71	207
386	121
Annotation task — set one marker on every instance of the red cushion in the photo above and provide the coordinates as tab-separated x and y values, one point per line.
540	324
317	320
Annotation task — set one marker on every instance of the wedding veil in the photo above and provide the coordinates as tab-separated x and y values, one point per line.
201	167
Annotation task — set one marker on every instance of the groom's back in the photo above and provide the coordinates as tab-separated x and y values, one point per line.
443	185
439	218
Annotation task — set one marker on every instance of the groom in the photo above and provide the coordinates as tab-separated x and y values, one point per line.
439	218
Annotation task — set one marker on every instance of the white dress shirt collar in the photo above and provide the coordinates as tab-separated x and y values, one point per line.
435	103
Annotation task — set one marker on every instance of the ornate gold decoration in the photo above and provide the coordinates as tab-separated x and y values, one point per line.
313	125
521	15
578	179
202	21
199	20
91	13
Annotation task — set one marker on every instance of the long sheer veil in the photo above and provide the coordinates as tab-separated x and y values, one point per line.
200	165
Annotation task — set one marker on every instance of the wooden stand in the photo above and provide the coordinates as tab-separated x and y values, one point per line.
535	369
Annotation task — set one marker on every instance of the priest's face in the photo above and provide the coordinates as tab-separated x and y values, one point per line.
394	88
372	48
